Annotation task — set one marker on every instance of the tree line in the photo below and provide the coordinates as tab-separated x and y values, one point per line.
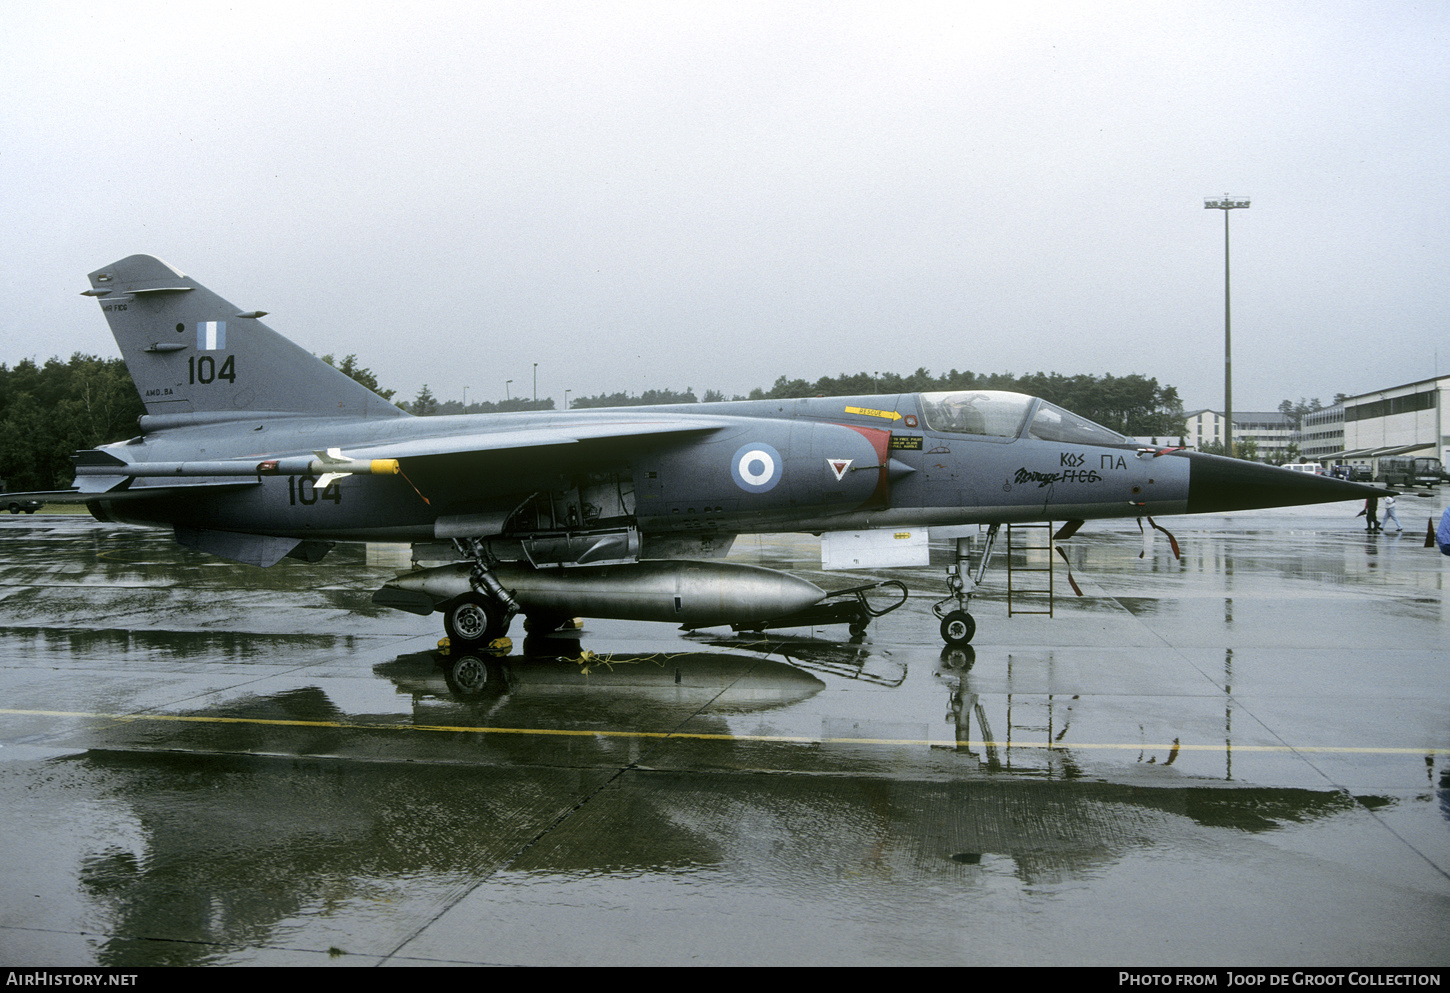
1133	404
49	411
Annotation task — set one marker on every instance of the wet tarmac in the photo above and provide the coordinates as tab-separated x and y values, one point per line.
1237	758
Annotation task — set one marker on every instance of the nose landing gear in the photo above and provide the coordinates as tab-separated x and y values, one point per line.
958	626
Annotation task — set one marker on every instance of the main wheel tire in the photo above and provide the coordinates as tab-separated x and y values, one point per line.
958	627
472	619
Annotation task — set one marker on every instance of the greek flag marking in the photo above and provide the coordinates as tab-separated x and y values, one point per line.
211	336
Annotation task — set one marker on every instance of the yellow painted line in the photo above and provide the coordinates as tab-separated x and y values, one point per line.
771	738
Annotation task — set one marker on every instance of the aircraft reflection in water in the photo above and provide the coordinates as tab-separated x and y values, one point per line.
254	450
198	872
728	683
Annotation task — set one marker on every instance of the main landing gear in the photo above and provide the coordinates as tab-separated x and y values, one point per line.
958	626
486	611
474	621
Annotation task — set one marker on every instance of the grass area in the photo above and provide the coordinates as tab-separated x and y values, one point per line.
64	508
57	508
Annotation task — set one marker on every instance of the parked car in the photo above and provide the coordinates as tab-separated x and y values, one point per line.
14	504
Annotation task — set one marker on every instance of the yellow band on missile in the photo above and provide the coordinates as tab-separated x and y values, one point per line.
385	467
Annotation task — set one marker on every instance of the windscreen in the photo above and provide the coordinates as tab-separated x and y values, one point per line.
1052	423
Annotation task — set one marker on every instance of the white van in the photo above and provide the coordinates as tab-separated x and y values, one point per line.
1313	467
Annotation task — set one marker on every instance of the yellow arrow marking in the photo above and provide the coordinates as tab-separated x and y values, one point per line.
890	415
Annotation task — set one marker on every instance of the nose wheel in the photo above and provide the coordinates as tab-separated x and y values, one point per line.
957	628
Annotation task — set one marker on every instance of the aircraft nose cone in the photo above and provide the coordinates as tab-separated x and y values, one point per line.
1217	484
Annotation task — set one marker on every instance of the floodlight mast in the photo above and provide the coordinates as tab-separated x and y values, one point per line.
1226	203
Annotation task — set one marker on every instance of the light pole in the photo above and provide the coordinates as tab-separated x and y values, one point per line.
506	383
566	399
1226	203
536	382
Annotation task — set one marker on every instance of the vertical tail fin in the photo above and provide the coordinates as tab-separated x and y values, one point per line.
191	352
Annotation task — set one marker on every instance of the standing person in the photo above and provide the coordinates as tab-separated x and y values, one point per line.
1442	536
1390	515
1371	513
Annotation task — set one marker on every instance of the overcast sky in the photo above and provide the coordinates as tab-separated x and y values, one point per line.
663	195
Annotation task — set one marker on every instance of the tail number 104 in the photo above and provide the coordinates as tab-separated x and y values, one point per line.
204	369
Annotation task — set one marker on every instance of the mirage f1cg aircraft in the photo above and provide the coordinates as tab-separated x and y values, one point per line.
253	449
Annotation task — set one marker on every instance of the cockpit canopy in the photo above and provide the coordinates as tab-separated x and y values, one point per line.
1002	415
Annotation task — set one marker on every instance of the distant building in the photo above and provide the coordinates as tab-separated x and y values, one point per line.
1271	432
1321	433
1203	427
1401	420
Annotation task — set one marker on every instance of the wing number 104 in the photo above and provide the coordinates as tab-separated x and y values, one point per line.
204	370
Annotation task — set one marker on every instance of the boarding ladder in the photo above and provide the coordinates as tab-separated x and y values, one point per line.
1025	591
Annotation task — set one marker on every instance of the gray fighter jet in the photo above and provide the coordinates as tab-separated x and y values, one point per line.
254	450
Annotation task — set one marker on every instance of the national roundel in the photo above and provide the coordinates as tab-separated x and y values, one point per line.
756	467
